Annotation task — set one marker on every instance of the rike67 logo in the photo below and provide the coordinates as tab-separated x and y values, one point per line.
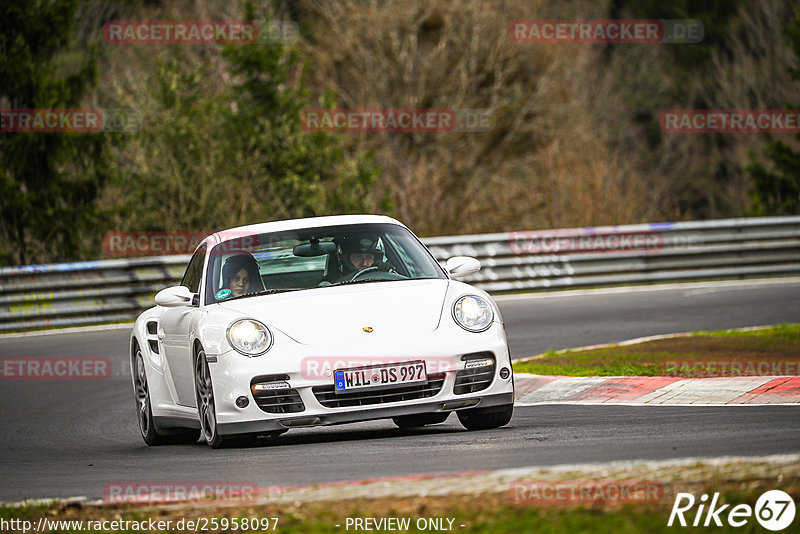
774	510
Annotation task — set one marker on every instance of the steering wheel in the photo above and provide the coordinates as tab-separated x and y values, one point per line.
377	275
362	271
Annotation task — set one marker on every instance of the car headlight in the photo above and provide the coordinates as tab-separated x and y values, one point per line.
473	313
249	337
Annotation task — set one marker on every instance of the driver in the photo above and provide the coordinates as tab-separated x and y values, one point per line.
361	252
241	275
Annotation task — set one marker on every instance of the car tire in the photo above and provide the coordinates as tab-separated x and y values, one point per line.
486	418
144	411
204	396
421	419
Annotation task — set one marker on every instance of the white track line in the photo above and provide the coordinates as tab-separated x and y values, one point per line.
722	284
69	330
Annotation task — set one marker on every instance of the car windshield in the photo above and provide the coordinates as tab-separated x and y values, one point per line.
253	264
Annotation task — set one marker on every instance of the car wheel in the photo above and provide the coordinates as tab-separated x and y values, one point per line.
204	394
486	418
144	411
421	419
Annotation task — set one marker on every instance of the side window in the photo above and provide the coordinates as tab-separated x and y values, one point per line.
194	272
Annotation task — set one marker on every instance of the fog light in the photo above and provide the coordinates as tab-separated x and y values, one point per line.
483	362
270	386
505	373
242	402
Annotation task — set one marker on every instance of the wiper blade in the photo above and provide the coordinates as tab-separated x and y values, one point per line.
264	292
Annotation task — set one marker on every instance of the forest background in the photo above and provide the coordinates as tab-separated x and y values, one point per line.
219	139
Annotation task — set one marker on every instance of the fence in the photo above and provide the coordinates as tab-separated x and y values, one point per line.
65	294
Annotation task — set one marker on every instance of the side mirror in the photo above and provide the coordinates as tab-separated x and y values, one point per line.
174	296
461	266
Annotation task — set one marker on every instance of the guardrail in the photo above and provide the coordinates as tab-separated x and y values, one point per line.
67	294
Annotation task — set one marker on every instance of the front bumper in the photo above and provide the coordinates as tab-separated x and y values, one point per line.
286	421
305	371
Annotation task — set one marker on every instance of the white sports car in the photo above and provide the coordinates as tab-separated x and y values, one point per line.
314	322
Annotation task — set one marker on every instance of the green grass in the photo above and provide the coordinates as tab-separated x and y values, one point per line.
25	510
773	332
778	343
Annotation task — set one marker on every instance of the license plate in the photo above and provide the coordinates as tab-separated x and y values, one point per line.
376	376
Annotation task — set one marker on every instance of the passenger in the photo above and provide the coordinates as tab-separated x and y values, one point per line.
241	275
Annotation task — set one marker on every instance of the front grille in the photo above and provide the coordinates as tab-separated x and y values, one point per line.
476	379
286	400
329	398
279	401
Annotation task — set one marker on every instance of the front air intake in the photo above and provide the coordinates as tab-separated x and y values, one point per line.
478	375
273	394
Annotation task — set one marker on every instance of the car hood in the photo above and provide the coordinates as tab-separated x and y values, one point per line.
342	313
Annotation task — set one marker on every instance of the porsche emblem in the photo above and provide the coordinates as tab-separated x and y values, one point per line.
367	329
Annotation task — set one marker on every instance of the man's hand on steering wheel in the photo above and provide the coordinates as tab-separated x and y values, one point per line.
362	271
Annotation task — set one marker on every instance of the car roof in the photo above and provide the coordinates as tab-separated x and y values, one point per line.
308	222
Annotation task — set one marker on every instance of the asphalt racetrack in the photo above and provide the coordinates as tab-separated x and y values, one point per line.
72	438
